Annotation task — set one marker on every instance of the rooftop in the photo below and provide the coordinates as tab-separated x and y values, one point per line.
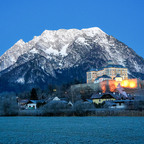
115	95
103	76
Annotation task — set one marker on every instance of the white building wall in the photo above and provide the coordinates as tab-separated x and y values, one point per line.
31	105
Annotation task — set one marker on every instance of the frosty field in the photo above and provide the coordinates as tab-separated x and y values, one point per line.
71	130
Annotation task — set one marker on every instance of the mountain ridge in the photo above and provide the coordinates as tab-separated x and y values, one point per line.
64	55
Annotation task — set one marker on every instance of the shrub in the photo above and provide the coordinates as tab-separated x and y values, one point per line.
54	108
8	105
81	108
139	105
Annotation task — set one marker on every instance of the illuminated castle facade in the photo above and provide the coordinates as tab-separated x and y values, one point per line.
110	71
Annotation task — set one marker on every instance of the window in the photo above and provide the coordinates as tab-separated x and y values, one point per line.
89	75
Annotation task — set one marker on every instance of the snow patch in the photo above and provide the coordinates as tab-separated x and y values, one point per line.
91	32
34	50
21	80
80	40
52	51
63	50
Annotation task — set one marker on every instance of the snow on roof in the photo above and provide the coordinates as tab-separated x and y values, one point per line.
37	101
56	99
70	103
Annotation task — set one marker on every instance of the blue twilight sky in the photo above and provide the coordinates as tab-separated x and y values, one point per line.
23	19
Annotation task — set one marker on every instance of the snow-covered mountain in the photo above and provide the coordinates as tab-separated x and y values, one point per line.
62	56
51	42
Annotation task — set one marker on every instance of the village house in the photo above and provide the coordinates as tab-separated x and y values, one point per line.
102	97
63	100
122	104
34	104
22	103
113	100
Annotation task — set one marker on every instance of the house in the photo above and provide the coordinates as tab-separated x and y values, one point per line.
114	100
122	104
34	104
22	103
118	104
63	100
109	96
111	70
102	97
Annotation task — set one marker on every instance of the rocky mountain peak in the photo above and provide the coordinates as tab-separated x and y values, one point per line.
51	41
60	56
20	42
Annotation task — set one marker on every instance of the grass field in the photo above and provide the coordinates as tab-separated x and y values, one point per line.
71	130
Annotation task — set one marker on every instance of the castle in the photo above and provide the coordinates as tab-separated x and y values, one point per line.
110	71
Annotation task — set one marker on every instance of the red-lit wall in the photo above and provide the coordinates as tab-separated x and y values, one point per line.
111	85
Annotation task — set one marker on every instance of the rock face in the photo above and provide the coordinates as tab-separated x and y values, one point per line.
61	56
